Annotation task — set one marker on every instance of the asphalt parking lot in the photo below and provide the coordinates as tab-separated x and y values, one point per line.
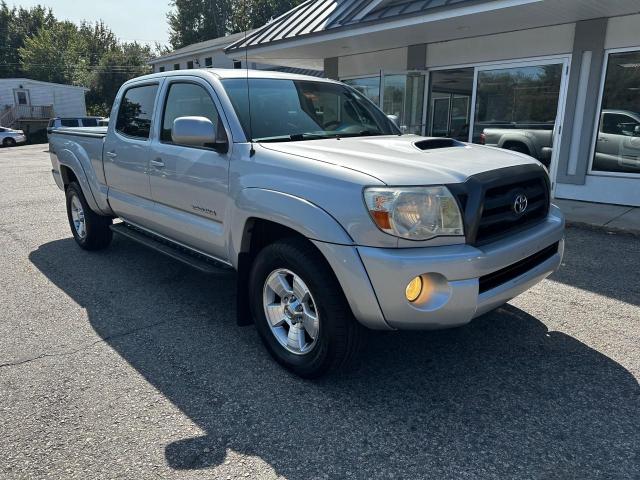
125	364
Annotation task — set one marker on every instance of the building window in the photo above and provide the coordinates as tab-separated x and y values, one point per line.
176	66
618	136
161	69
449	110
369	87
237	64
208	62
190	64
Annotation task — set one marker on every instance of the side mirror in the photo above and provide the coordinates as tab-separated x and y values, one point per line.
196	132
636	131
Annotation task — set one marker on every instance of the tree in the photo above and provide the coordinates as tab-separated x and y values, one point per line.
16	25
250	14
126	61
193	21
53	54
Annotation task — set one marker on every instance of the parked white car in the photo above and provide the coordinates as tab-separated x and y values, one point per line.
10	137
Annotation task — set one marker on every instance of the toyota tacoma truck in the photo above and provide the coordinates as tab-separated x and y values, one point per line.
332	219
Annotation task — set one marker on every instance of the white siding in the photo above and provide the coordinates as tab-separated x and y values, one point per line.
535	42
394	60
67	101
623	32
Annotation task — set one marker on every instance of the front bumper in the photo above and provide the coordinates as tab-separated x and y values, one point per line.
453	274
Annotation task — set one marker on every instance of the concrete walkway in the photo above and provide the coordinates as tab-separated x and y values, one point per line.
614	217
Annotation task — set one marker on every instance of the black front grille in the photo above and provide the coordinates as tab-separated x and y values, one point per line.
497	278
487	201
498	217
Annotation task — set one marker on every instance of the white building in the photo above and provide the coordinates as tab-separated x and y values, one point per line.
457	67
29	104
210	53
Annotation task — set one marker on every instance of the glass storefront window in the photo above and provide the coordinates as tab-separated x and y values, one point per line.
402	96
450	100
369	87
518	98
618	137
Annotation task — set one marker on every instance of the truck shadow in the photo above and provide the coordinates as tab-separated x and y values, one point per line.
595	260
501	397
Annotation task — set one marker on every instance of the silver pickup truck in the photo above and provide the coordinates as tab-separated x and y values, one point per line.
537	142
332	218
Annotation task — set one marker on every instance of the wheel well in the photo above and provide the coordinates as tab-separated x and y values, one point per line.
515	143
67	175
258	233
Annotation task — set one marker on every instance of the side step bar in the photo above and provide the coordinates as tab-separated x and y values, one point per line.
177	252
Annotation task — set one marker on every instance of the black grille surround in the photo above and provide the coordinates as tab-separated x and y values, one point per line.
497	278
487	200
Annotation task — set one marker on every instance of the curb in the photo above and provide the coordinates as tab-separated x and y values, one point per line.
602	228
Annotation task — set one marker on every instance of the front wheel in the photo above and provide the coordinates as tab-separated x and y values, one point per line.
300	310
90	230
9	142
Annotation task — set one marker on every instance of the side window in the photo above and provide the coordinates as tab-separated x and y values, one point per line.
188	100
618	124
136	111
69	122
89	122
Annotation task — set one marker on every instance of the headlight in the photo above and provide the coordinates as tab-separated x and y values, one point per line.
416	213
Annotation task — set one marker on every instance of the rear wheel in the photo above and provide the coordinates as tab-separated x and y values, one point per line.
9	142
90	230
300	310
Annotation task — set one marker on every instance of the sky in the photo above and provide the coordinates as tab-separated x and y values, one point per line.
141	20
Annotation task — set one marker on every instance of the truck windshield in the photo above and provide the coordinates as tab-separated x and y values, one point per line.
295	110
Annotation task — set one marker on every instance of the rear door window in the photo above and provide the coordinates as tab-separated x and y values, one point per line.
69	122
136	111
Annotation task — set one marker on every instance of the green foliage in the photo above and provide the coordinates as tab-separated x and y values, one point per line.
34	44
192	21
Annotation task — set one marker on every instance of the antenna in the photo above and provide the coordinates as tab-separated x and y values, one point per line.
252	150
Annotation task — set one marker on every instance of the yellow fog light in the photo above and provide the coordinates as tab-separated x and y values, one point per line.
414	289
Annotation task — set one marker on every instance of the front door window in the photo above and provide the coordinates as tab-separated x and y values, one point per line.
22	97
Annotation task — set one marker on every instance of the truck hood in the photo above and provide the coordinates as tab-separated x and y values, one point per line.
397	160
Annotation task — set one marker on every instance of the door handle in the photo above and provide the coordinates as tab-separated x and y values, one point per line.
602	139
112	154
158	163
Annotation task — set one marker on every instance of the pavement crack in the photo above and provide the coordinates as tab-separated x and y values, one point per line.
83	348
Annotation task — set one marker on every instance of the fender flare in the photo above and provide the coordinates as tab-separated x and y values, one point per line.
533	150
291	211
86	177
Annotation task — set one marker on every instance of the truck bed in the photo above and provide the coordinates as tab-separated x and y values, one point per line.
100	132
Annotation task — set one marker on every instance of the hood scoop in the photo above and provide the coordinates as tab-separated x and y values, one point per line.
435	143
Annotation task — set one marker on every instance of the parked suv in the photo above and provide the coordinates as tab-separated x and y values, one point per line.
332	218
58	122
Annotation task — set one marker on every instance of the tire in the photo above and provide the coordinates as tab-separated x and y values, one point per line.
90	230
339	337
9	142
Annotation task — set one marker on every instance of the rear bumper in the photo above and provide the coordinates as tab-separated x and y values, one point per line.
453	274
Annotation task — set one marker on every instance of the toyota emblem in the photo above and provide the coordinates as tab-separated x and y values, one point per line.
520	203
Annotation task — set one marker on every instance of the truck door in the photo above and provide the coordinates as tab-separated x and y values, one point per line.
618	144
190	184
126	153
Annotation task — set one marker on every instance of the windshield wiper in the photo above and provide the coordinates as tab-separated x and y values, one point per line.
294	137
